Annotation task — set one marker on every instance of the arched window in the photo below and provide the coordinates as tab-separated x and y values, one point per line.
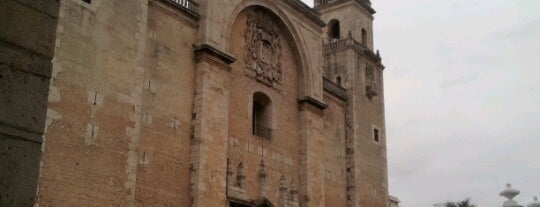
364	37
334	29
262	116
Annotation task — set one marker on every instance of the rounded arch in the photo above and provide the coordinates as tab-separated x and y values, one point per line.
304	73
334	29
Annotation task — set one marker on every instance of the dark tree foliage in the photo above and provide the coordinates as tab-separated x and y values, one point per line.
464	203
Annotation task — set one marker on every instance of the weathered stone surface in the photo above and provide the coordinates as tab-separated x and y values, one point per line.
28	28
27	38
24	100
147	106
19	169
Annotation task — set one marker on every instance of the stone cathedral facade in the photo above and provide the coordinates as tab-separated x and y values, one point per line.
203	103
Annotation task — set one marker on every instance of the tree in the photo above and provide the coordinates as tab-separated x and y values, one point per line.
464	203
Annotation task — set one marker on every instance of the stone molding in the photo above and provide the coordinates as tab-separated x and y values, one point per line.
210	53
190	9
329	3
335	89
310	13
351	43
313	102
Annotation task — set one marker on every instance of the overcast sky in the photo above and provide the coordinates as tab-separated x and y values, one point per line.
462	84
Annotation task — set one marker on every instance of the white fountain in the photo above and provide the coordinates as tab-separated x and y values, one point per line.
535	203
510	193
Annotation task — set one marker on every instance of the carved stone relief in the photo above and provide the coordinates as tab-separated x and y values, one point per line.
371	85
263	49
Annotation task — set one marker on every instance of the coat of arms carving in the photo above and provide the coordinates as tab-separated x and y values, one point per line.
263	49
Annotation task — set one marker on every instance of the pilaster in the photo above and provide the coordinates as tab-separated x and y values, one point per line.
311	169
210	127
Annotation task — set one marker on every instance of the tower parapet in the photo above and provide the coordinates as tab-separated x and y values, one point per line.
328	3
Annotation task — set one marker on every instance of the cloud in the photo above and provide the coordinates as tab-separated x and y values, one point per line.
462	95
462	100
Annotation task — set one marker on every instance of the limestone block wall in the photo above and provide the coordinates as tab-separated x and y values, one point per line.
149	106
169	80
370	155
95	108
27	38
367	157
119	117
334	153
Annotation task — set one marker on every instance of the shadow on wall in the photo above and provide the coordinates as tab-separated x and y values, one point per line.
25	71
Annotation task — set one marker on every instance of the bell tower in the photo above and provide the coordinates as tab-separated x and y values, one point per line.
352	63
347	16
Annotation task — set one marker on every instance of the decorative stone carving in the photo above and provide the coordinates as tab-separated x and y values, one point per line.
283	186
236	189
294	191
262	179
287	199
371	86
263	49
229	171
240	177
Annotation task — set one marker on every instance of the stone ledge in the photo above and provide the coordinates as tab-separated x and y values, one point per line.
335	90
208	50
307	11
351	43
362	3
192	13
313	102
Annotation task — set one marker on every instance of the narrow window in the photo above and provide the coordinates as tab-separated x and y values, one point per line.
376	135
338	81
364	37
334	29
262	116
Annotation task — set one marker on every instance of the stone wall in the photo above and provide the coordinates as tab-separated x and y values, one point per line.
27	42
95	108
370	162
152	106
368	184
334	153
169	81
280	152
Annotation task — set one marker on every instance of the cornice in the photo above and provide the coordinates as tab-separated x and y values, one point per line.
309	12
312	102
362	3
190	12
335	90
208	52
351	43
